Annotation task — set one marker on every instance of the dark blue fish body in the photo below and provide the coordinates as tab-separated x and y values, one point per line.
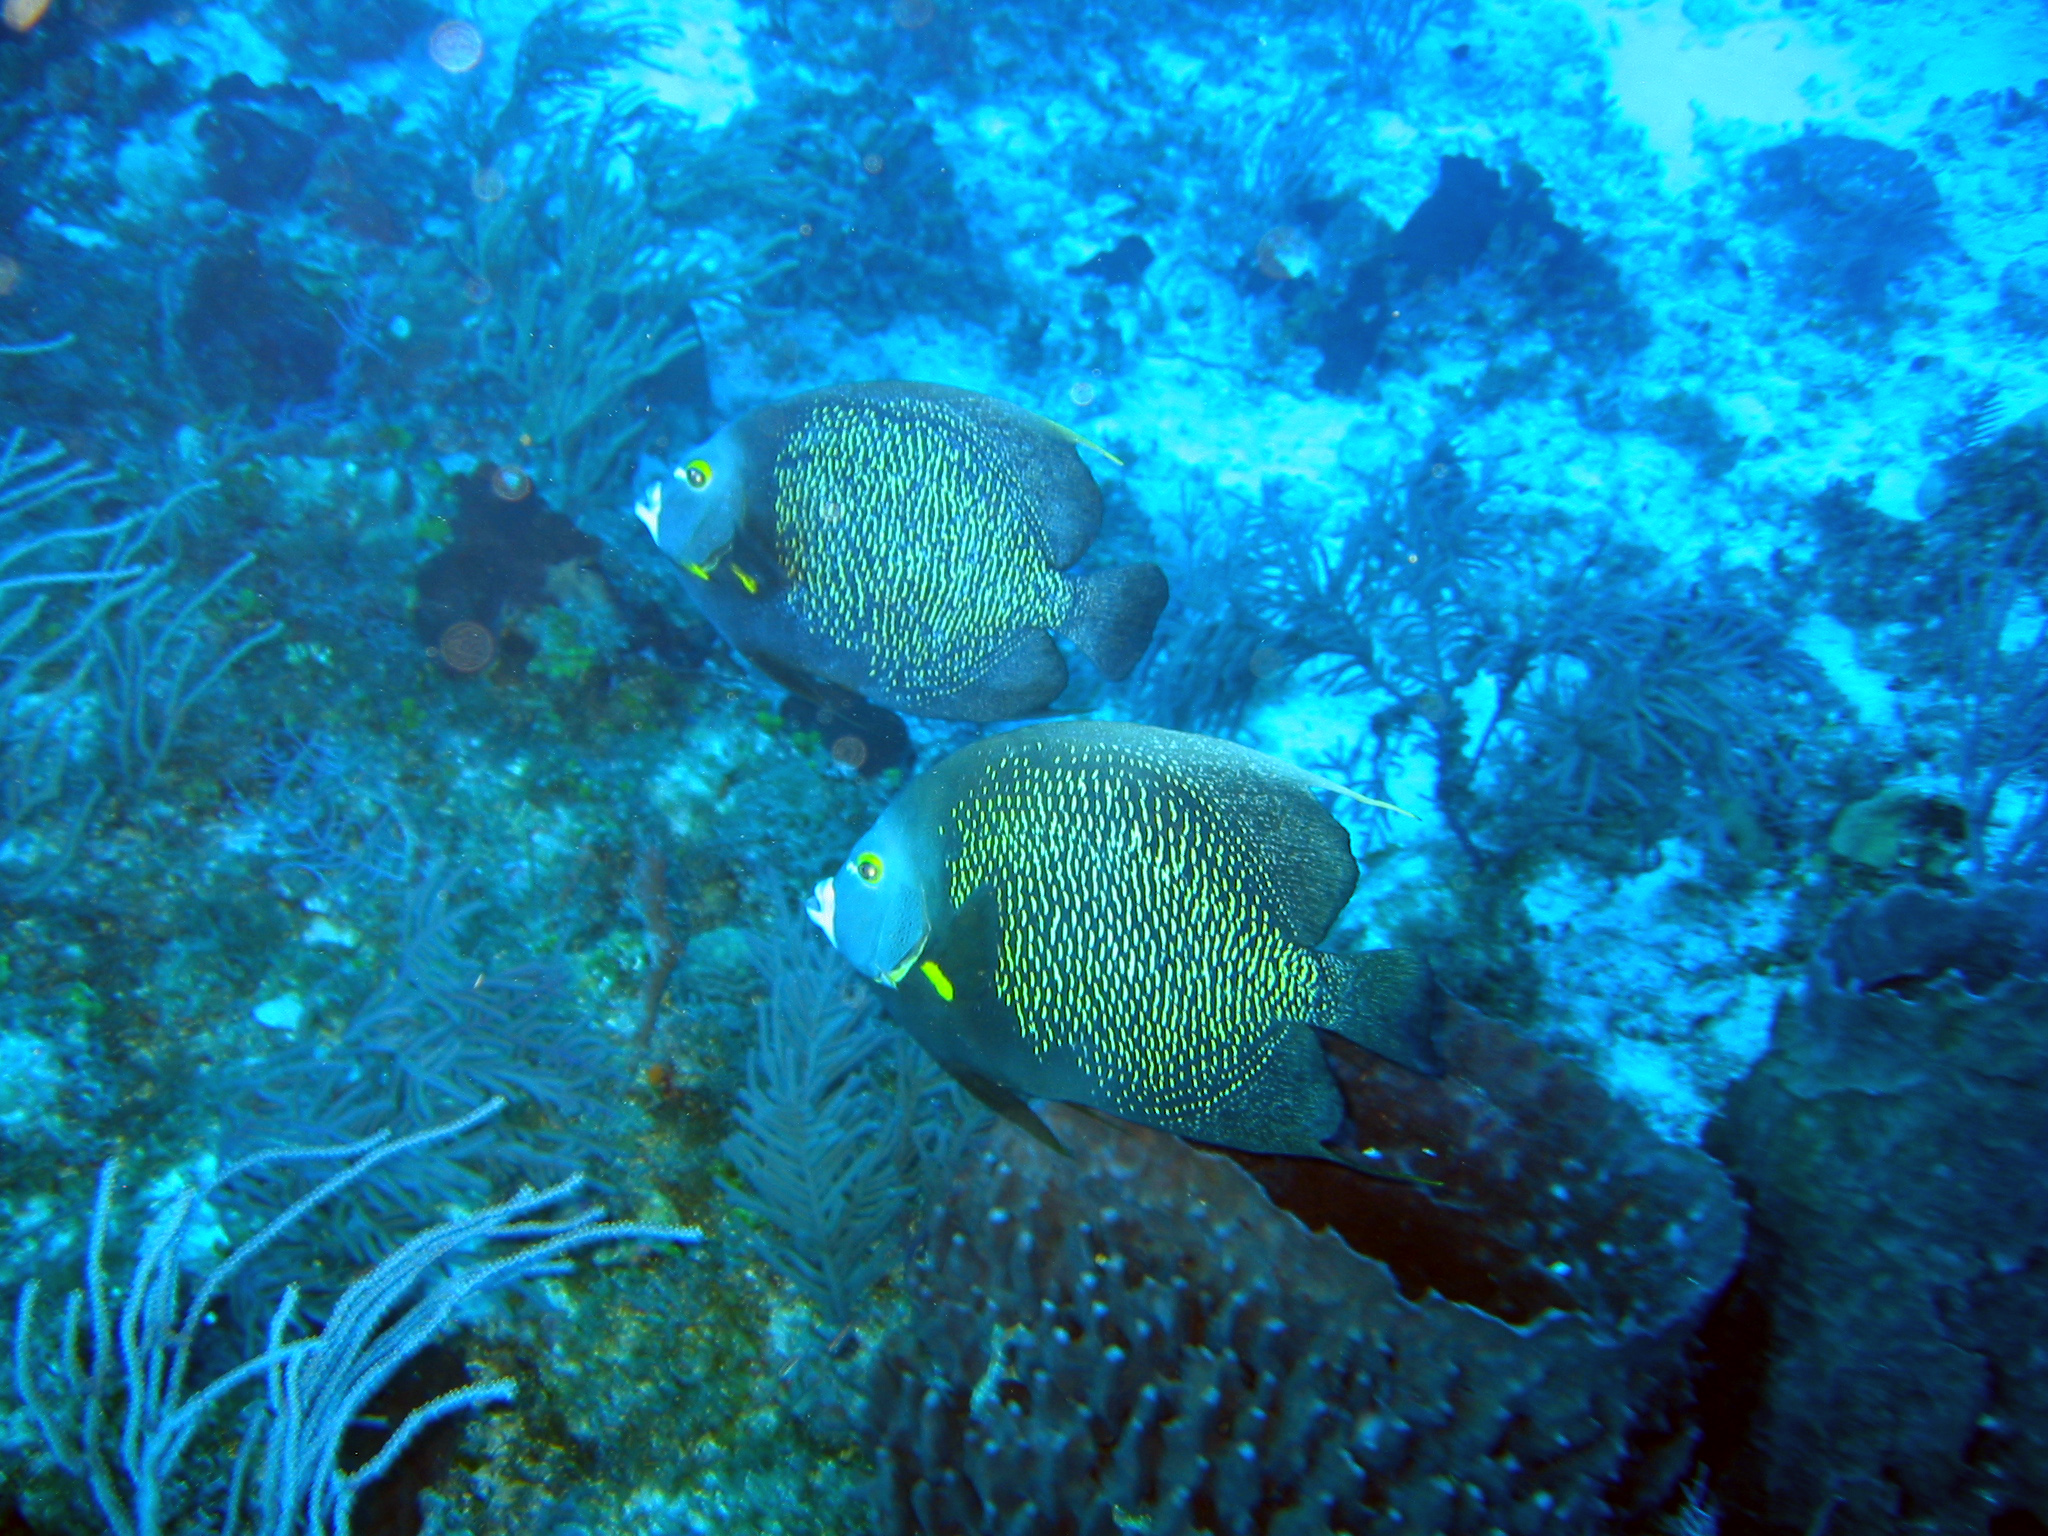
908	543
1126	918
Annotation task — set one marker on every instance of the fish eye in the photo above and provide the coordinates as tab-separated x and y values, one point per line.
698	473
869	867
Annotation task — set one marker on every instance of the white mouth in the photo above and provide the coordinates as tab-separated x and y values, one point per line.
648	510
821	907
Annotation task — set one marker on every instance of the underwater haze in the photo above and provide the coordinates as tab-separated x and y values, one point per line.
822	767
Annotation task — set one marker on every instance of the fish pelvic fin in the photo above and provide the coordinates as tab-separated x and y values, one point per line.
1389	1003
1009	1105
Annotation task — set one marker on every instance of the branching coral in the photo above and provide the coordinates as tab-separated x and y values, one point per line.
1580	708
1962	595
825	1151
57	585
98	656
313	813
1406	600
156	662
594	294
445	1034
130	1396
1635	703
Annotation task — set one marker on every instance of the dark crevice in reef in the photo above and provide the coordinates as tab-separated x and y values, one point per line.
1479	247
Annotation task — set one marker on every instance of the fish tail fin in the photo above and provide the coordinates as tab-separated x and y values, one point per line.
1112	615
1390	1003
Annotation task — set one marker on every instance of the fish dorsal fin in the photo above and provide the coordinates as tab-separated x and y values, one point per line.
1305	853
1081	442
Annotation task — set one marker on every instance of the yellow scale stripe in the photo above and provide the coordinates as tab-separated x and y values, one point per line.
1137	926
908	539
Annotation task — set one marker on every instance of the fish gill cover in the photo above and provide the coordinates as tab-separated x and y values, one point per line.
1609	433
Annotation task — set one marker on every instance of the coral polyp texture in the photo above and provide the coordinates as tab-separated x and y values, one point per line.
1894	1146
1138	1335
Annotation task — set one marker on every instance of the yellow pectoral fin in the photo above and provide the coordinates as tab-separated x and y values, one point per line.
893	977
697	571
746	581
941	983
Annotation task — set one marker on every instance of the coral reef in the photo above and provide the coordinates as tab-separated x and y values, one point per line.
145	1365
1957	590
1859	214
361	759
1410	286
825	1150
1893	1145
1136	1334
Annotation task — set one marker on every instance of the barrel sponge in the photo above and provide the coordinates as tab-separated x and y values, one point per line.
1894	1144
1139	1337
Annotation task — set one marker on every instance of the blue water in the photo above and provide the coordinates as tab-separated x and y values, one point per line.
1597	452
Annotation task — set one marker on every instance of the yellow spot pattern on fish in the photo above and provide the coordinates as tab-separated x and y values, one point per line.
908	538
1137	927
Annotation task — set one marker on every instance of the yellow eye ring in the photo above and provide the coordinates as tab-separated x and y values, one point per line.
869	867
698	473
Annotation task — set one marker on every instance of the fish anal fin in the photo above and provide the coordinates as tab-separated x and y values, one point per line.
1026	678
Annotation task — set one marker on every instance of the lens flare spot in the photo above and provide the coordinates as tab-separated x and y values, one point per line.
912	14
850	751
456	46
10	275
1081	392
467	646
509	484
487	184
22	15
872	164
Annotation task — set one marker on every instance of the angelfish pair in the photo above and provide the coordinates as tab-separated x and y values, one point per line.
1126	918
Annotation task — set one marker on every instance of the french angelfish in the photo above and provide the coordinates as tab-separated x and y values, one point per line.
908	543
1125	918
